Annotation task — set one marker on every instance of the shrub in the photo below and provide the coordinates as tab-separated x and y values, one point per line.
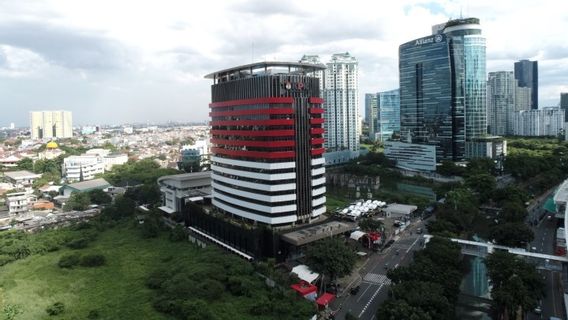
69	261
5	259
55	309
93	314
177	234
79	243
93	260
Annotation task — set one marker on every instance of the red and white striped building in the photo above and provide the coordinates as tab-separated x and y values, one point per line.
267	143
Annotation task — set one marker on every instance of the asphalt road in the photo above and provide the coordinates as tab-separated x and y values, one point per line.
553	302
374	282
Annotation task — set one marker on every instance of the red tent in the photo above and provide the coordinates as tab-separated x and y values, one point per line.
304	288
325	299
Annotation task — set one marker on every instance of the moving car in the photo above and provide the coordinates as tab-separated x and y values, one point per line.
355	290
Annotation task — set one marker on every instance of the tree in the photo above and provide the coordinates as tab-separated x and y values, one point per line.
400	309
449	168
515	284
79	201
330	257
370	224
26	164
484	184
515	234
98	196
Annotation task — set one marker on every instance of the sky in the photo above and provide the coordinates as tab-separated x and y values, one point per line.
119	61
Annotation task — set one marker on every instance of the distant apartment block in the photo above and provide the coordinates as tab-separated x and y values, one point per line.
564	104
539	122
80	168
51	124
504	98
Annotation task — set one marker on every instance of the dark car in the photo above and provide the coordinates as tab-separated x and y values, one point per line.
355	290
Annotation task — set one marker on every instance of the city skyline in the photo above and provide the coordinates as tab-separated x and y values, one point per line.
150	67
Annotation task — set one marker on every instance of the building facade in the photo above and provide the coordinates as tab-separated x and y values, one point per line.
341	97
80	168
371	109
564	104
51	124
526	73
383	111
539	122
410	156
176	189
443	88
267	143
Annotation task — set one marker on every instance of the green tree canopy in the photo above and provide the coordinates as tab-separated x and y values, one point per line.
26	164
331	257
370	224
98	196
515	234
79	201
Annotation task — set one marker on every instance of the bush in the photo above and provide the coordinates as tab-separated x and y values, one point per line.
69	261
93	260
55	309
79	243
5	259
93	314
177	234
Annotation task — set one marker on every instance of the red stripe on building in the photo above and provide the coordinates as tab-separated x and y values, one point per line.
316	110
271	100
255	154
249	143
315	100
255	133
317	141
251	112
317	151
316	130
270	122
316	121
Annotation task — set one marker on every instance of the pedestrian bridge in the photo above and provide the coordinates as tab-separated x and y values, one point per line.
481	249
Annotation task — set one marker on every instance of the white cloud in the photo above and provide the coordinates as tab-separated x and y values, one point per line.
158	52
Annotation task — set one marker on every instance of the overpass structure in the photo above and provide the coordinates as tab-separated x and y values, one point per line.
482	249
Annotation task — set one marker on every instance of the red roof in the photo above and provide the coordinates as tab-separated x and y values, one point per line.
304	288
325	299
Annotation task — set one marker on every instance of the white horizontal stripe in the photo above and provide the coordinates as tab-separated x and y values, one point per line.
318	161
317	182
317	192
253	185
318	171
254	216
257	207
256	196
255	175
257	165
318	201
318	211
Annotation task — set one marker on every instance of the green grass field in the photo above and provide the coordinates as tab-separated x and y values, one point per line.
118	289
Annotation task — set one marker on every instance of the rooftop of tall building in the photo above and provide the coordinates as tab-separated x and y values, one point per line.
264	68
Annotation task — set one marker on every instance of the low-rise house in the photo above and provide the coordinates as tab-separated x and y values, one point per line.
21	179
178	188
20	202
84	186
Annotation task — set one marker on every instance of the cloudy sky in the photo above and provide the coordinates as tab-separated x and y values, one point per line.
115	61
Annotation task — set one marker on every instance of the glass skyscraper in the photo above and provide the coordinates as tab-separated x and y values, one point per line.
388	114
526	72
443	88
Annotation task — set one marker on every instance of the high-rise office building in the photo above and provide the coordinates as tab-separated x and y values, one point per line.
51	124
341	97
504	98
384	109
443	88
267	143
526	73
371	108
564	104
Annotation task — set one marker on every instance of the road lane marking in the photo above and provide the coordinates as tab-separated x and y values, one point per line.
370	300
362	294
377	278
407	251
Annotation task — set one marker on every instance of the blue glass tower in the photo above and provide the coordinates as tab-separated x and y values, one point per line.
388	113
443	88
